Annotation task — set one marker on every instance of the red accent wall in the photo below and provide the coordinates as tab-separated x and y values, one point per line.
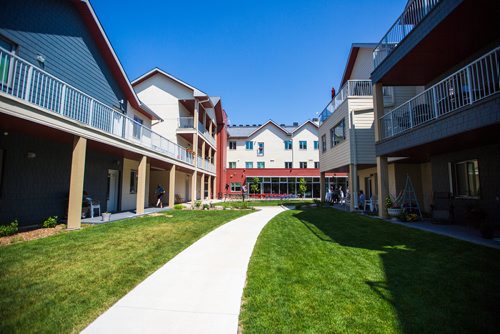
221	149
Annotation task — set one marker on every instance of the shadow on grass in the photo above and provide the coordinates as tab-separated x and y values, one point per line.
436	284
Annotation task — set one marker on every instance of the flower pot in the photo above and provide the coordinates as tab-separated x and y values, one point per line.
106	216
394	212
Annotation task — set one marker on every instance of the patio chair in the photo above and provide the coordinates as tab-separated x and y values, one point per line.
93	204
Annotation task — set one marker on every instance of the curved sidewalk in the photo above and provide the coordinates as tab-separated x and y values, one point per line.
198	291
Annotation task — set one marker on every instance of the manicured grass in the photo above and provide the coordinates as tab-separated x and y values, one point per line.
327	271
265	202
61	283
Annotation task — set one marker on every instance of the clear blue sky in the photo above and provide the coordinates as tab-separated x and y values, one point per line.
266	59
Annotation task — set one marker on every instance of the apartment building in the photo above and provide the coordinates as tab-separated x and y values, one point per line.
72	126
346	131
447	135
278	154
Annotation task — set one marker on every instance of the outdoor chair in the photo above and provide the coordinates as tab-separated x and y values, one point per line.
93	204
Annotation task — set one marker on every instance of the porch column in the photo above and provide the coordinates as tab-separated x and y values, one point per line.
76	183
203	146
193	187
353	185
378	108
202	186
215	189
209	187
171	187
141	185
322	186
210	127
383	185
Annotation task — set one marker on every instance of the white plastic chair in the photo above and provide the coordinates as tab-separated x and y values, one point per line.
94	205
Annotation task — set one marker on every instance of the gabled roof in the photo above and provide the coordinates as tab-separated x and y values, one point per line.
303	124
156	70
248	131
95	27
351	59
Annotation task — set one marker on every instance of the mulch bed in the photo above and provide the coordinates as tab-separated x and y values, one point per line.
31	235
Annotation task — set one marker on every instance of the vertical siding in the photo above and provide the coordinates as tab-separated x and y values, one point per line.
55	29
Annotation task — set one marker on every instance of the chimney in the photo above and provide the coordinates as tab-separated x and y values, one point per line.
295	123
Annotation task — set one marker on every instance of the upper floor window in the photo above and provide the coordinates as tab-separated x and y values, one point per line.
288	144
316	145
316	164
323	143
137	127
303	145
249	164
337	133
303	164
249	145
6	69
232	145
261	164
260	149
232	164
288	164
465	176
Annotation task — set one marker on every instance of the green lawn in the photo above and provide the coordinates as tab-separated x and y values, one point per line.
265	202
62	283
327	271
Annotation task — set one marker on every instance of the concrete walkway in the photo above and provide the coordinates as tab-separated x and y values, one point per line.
123	215
198	291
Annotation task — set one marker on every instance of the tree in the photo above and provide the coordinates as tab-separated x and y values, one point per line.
302	186
255	186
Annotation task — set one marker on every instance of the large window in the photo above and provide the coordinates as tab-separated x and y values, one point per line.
288	164
260	149
232	145
316	145
261	164
133	181
337	133
249	145
323	143
303	164
249	164
466	179
288	145
232	164
235	186
303	145
137	127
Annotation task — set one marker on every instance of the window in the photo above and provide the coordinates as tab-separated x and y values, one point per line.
232	145
249	145
303	145
303	164
466	179
323	143
232	164
337	133
235	186
261	164
133	181
249	164
316	164
137	127
288	144
288	164
316	145
5	62
260	149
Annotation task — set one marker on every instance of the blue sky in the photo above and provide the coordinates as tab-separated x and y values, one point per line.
266	59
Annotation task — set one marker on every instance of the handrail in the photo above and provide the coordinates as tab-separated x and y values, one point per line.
25	81
412	15
475	81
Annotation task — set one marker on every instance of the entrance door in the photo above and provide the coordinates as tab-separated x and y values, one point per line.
368	187
112	198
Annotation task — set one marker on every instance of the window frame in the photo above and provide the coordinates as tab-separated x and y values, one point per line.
229	164
302	164
247	146
334	136
260	149
261	163
303	145
137	127
454	179
249	163
231	142
316	164
323	143
234	185
290	146
316	145
133	181
288	164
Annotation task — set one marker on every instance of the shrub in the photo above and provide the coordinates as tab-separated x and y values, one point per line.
206	206
9	229
50	222
178	207
197	204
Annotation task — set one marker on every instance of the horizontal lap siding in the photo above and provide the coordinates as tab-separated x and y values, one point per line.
339	155
55	29
364	130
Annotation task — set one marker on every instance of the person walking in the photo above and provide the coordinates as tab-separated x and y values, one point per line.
159	193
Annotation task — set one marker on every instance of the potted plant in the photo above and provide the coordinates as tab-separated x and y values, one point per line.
393	209
106	216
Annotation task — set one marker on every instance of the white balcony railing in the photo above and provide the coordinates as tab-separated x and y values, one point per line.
474	82
22	80
414	12
188	123
350	88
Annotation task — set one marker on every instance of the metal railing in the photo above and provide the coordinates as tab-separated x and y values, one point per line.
350	88
412	15
22	80
186	122
205	164
474	82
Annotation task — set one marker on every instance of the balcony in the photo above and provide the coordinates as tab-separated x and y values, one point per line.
205	164
26	82
350	88
472	83
412	15
187	123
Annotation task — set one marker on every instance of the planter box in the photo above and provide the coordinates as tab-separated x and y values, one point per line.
105	217
394	212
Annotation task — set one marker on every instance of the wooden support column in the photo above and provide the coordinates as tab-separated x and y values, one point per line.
193	187
141	185
76	183
202	186
322	186
382	168
209	187
171	187
353	186
214	187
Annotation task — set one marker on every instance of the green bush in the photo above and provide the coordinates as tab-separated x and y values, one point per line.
178	207
197	204
9	229
50	222
206	206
